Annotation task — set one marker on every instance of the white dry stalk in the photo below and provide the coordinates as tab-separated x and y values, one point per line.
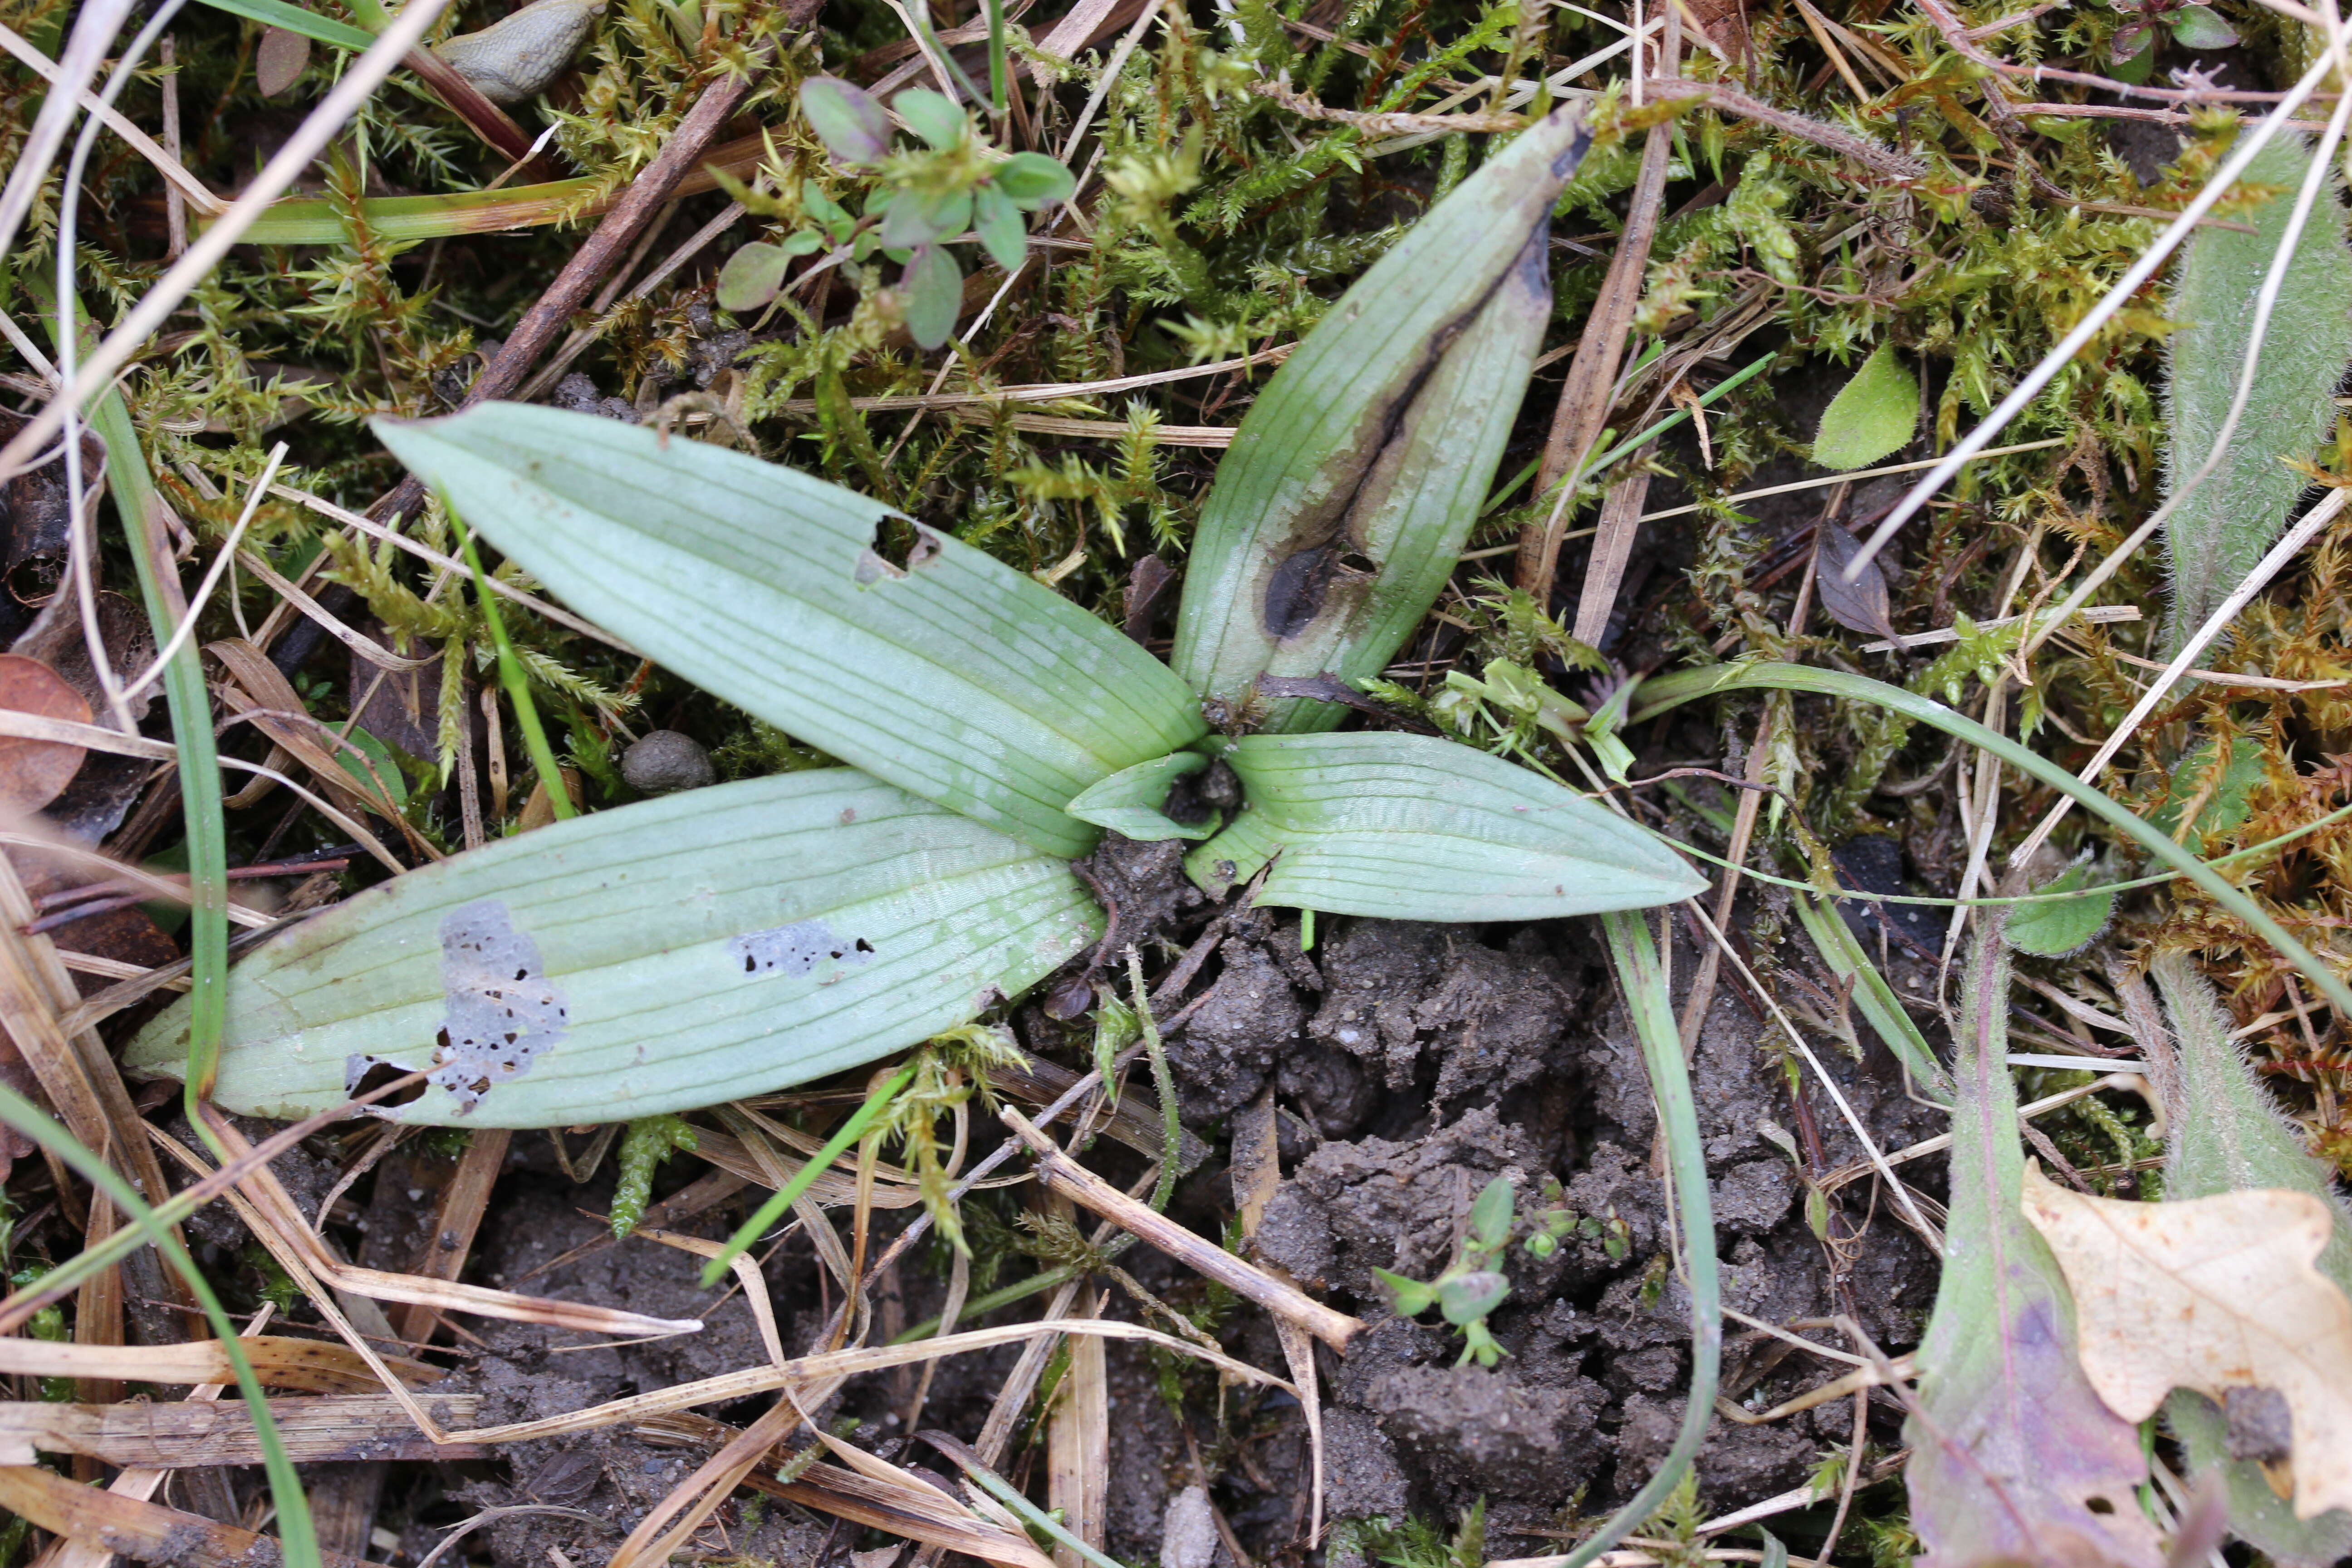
154	671
1111	68
2285	550
364	75
197	192
2250	141
69	341
94	29
1878	1160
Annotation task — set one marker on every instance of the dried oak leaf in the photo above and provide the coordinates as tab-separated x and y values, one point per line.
2211	1294
34	773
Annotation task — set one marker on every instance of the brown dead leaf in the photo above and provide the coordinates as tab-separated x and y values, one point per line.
2211	1294
34	773
280	60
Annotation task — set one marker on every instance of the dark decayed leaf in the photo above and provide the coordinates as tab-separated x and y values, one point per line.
946	673
662	956
278	60
1414	828
1354	479
1859	606
2014	1457
34	773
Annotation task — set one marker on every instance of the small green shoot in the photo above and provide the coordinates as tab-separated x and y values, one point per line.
649	1141
1473	1284
511	677
780	1203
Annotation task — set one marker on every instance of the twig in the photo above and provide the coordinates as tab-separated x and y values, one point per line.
553	313
1062	1174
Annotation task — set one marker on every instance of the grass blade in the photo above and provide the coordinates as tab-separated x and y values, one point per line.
1662	692
1633	956
299	1540
511	677
780	1203
295	19
1851	962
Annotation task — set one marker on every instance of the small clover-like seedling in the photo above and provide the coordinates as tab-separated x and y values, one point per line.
919	201
1472	1286
2131	53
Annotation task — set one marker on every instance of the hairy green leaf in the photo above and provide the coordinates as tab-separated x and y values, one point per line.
659	957
1129	802
2014	1457
1356	476
2227	1135
1413	828
2222	528
1872	416
951	675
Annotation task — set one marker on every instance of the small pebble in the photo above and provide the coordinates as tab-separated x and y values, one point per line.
1188	1537
665	762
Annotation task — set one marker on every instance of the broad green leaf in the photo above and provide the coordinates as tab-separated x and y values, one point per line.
1872	416
1129	802
2066	926
2227	1135
1033	181
753	275
662	956
1413	828
295	19
998	223
952	676
1872	996
2224	526
1354	478
2200	28
933	116
915	219
2014	1457
933	290
849	120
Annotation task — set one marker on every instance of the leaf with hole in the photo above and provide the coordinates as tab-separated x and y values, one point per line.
657	957
1872	416
849	120
2213	1294
1413	828
2222	528
942	671
1354	479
